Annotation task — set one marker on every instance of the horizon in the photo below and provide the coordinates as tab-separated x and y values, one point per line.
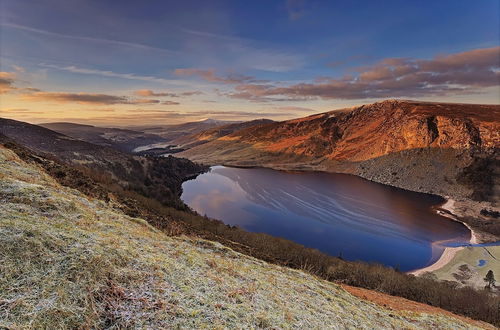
169	63
137	126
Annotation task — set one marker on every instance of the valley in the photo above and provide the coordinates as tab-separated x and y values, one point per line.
449	150
162	190
340	215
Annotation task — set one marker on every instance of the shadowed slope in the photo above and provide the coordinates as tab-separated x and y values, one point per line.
159	178
121	139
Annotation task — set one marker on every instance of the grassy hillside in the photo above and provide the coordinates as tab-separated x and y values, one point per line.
215	133
68	261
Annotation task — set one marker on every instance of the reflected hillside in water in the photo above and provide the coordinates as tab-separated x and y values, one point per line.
335	213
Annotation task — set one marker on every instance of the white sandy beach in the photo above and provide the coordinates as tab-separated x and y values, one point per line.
445	258
449	252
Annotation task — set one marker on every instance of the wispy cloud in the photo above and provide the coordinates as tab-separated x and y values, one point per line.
106	73
6	82
85	98
209	75
170	103
14	110
149	93
85	38
191	93
242	52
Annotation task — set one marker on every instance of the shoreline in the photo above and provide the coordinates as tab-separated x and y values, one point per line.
446	209
449	252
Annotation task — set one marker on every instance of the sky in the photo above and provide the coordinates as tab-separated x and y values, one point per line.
124	63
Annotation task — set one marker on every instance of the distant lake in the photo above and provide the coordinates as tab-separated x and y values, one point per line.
338	214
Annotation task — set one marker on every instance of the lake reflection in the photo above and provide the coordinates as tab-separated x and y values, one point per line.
335	213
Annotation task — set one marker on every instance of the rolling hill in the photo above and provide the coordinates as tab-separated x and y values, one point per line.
121	139
160	178
205	136
172	132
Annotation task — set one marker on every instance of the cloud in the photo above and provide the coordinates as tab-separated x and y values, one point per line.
143	101
19	112
210	75
84	38
465	72
191	93
6	82
111	74
85	98
170	103
19	68
148	92
261	93
14	110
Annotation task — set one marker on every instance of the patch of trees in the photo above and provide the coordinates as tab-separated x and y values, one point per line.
490	213
490	279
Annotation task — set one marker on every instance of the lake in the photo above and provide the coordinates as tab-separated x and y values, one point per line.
338	214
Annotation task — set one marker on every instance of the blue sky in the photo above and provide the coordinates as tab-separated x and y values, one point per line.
121	62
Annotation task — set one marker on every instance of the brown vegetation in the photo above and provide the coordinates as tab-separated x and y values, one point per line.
402	304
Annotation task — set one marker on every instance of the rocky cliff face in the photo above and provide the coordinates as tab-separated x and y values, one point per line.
420	146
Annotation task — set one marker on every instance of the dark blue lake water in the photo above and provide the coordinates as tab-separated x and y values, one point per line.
334	213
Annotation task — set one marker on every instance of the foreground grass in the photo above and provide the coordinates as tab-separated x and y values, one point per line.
70	262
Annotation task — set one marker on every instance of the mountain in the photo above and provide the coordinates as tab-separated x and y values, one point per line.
190	141
447	149
121	139
160	178
380	141
172	132
69	262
